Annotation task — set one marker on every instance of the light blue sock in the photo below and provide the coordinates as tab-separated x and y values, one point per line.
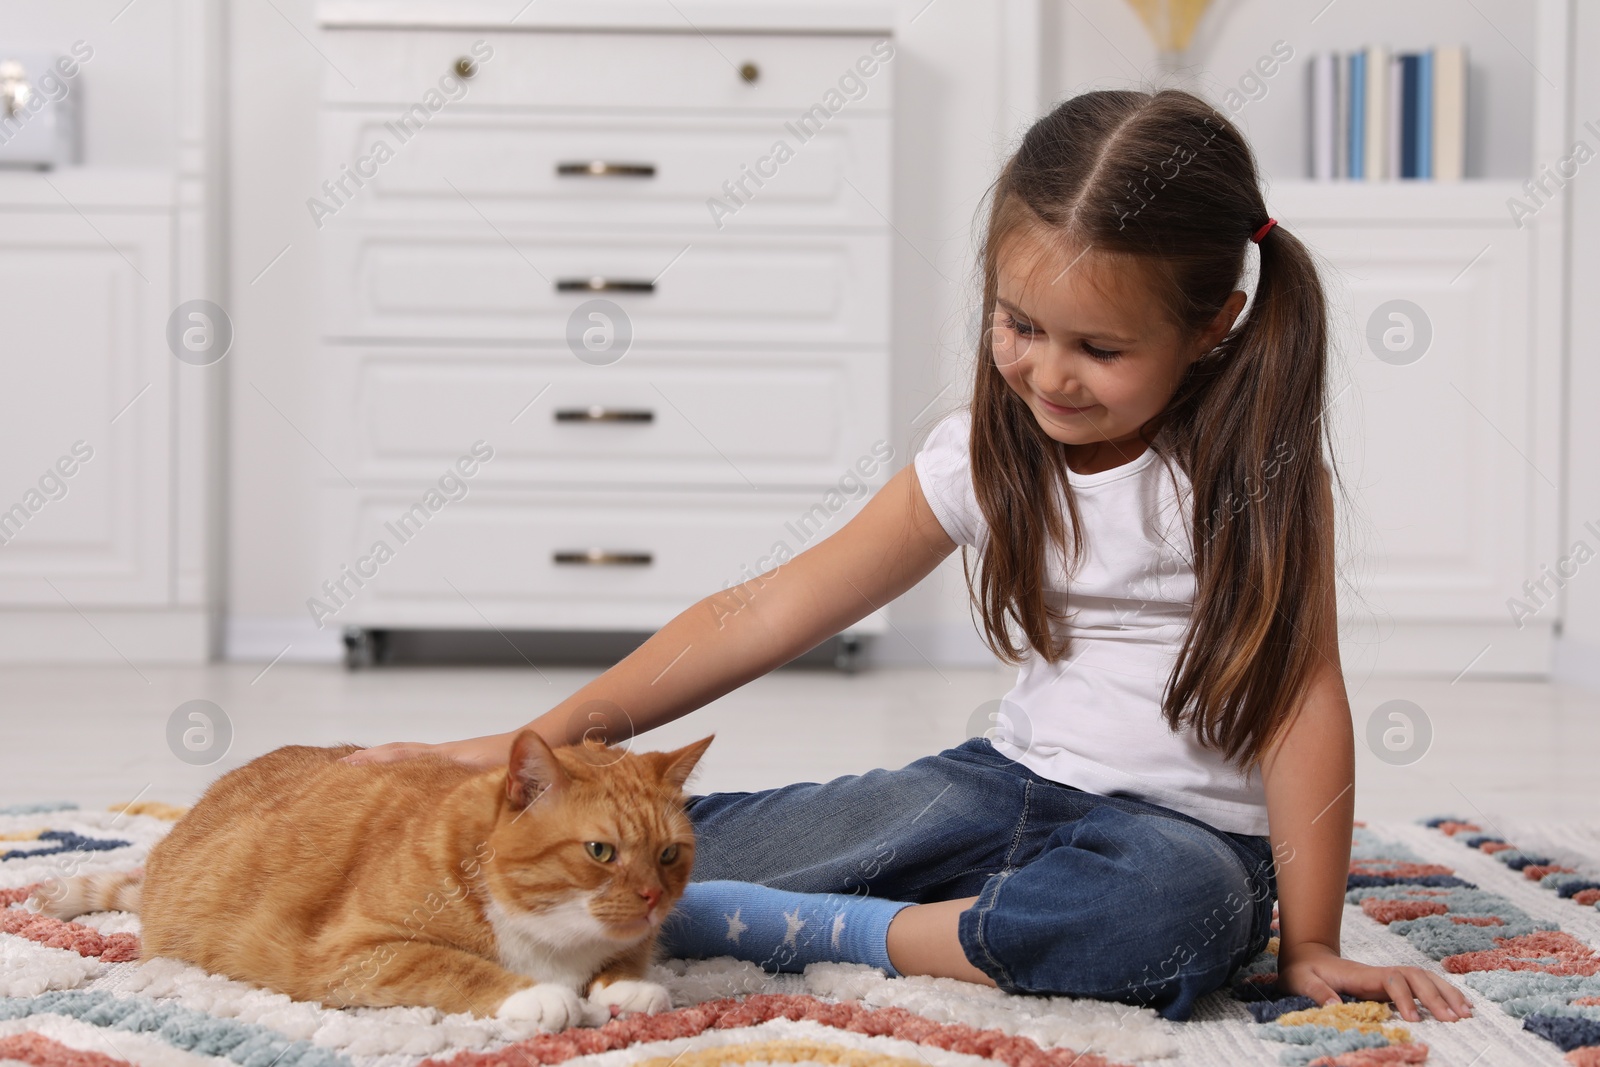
779	930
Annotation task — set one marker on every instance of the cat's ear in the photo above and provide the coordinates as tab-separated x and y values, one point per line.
532	771
677	764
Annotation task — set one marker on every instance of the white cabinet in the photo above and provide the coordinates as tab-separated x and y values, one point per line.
725	196
106	471
109	459
1422	441
1451	456
86	378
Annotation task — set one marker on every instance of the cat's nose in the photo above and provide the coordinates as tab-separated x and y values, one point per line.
651	896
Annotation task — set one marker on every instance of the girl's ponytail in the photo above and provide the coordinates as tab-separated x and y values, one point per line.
1253	430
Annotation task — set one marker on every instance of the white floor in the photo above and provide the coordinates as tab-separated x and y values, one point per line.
96	735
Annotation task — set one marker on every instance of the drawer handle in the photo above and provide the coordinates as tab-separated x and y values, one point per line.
603	285
601	557
596	413
599	168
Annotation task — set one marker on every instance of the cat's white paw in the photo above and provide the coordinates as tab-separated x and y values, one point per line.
552	1006
630	995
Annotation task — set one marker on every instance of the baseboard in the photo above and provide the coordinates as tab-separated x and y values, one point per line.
1445	649
293	638
105	636
1438	649
947	644
1577	663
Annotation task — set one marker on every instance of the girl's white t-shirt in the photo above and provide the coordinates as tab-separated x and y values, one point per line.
1093	720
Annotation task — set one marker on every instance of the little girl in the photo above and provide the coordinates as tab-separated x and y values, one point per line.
1143	490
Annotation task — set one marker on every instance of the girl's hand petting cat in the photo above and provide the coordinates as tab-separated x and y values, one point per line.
491	750
1320	973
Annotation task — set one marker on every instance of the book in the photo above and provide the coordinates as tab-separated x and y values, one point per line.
1425	114
1377	113
1324	96
1374	152
1391	121
1341	130
1449	113
1358	115
1409	99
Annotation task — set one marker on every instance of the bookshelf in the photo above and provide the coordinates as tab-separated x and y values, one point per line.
1452	462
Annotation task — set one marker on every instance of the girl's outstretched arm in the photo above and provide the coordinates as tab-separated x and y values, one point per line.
737	634
1309	776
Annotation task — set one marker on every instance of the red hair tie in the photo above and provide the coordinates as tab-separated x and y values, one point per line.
1259	234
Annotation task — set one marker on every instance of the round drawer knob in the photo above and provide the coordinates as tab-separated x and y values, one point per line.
750	72
466	67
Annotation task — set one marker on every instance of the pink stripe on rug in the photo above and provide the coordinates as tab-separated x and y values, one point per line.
1374	1057
730	1014
42	1051
56	933
9	897
1546	951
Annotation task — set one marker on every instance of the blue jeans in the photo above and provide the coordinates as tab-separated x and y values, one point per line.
1078	894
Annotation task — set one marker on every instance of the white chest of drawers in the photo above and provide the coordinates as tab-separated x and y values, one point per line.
723	195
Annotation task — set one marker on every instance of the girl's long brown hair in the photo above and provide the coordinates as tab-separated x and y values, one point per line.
1165	184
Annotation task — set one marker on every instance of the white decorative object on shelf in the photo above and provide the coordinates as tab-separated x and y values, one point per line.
38	107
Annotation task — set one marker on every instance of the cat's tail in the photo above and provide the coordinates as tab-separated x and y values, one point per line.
68	898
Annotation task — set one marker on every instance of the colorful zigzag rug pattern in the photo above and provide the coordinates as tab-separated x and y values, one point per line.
73	994
1535	972
1548	979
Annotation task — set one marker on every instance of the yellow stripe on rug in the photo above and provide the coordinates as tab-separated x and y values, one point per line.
154	808
1367	1017
788	1050
23	835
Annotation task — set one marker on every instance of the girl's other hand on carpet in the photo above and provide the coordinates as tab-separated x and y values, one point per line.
1322	974
491	750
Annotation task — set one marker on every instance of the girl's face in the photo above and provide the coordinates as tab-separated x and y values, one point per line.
1088	347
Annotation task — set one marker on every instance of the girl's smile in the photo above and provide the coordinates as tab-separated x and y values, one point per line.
1058	409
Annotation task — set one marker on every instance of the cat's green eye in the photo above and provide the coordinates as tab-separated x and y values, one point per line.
669	853
601	851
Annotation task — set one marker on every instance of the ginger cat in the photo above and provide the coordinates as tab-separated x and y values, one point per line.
511	893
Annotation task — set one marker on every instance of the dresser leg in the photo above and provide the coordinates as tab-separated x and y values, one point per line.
365	648
847	652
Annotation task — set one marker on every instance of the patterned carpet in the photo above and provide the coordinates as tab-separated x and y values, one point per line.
1516	926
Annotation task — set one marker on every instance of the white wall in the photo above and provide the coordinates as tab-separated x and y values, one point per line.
949	141
1578	648
272	515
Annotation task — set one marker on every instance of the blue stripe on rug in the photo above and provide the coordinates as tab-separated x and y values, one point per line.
246	1044
1567	1033
35	809
1438	881
65	841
